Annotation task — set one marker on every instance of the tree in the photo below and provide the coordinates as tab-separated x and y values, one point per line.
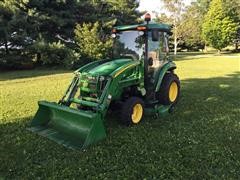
6	15
219	29
26	26
192	22
232	8
176	8
13	25
56	19
91	47
190	25
15	34
203	6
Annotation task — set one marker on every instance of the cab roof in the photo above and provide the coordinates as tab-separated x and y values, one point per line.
162	27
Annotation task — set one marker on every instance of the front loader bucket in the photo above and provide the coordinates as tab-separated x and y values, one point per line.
72	128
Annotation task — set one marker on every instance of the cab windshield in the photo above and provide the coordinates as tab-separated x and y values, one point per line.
129	44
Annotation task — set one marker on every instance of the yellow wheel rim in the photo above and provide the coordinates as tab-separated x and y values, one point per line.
173	91
137	113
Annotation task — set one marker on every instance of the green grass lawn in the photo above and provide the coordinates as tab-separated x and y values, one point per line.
200	140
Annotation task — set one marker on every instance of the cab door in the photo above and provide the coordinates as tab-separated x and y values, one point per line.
157	54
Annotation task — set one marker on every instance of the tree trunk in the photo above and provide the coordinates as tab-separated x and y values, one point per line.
205	48
6	47
175	44
38	61
219	51
175	35
236	46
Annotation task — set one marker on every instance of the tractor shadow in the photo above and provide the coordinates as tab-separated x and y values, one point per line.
206	105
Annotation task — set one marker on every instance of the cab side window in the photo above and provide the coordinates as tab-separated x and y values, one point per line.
157	50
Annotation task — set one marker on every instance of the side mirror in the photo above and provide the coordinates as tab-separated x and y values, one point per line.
155	35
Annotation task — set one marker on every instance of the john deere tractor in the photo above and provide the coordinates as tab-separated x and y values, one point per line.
138	80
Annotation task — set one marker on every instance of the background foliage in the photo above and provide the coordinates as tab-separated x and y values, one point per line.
73	32
54	32
204	22
90	43
219	27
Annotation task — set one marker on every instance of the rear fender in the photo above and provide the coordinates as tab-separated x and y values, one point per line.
166	68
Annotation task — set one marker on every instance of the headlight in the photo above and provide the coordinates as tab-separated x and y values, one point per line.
102	78
91	78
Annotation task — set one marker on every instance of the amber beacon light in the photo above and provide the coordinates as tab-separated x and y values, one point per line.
147	17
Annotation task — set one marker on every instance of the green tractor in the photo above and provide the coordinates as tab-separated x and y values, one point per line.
139	80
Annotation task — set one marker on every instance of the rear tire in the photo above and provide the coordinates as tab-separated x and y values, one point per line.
132	111
170	89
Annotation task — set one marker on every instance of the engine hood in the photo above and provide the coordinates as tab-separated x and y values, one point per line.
107	68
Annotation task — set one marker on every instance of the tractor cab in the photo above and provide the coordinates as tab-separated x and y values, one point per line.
147	43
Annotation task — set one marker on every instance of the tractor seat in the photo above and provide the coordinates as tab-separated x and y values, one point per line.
154	69
156	63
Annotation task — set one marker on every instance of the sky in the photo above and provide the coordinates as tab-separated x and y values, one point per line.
154	5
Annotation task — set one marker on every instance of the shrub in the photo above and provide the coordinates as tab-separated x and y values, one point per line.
90	43
16	59
54	54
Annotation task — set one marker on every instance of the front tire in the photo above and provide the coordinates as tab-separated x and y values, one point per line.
132	111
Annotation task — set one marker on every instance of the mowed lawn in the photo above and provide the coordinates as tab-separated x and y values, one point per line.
200	140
